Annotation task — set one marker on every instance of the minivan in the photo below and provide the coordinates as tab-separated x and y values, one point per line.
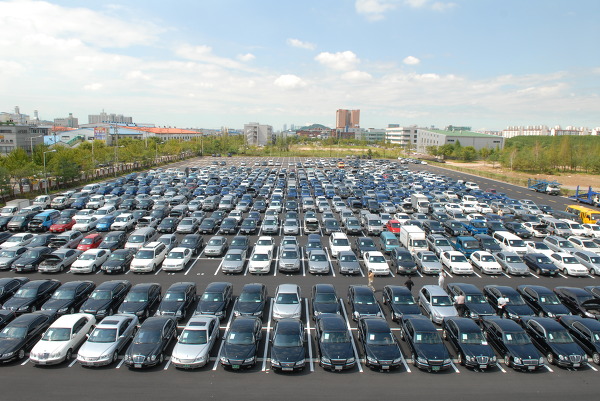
42	221
510	242
140	237
388	241
179	211
557	227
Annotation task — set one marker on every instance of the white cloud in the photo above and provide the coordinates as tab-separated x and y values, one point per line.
338	61
289	81
439	6
357	76
416	3
300	44
411	60
374	10
246	57
93	87
427	4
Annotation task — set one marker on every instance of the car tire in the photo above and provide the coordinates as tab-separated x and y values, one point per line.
444	334
596	358
507	361
71	311
550	358
21	354
414	359
539	271
460	359
69	355
33	308
161	358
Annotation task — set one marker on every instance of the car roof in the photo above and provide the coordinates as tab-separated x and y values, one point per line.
155	322
288	288
466	288
182	285
435	290
74	284
331	321
200	321
37	283
573	290
505	324
464	324
376	324
70	320
111	284
244	322
546	322
289	326
253	287
420	323
114	320
362	289
540	289
324	288
141	287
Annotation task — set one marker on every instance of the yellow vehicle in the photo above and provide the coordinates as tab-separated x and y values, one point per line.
341	164
587	215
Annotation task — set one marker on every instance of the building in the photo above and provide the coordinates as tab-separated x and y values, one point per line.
20	136
435	137
530	130
109	118
558	131
69	122
347	119
371	135
403	136
258	134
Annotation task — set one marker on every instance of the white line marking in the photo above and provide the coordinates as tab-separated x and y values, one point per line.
223	341
24	363
548	367
593	368
218	268
563	276
534	275
500	367
192	265
448	273
506	275
167	365
309	337
158	271
474	272
120	363
264	365
406	364
73	363
360	369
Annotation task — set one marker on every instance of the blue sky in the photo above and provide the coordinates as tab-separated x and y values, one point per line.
483	63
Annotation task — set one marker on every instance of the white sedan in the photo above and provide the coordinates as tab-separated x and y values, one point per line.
62	338
536	230
456	262
195	342
375	262
20	239
85	223
90	261
260	262
568	264
486	262
264	243
177	259
484	208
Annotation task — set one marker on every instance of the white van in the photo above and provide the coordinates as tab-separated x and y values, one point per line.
510	242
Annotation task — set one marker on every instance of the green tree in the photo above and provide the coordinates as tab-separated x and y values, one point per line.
468	153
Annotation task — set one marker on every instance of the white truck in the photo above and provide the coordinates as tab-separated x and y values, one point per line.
413	239
43	201
420	203
12	207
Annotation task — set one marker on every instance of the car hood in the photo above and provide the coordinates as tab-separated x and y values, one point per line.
406	309
248	308
49	346
209	307
170	306
478	349
566	349
232	264
444	311
337	350
95	304
143	349
383	352
432	265
557	309
238	352
16	303
190	351
521	267
8	345
287	309
326	308
287	354
56	304
481	309
91	350
26	261
113	263
132	307
350	265
6	260
432	351
367	309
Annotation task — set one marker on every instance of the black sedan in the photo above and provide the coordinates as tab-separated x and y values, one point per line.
106	298
251	301
20	335
168	225
362	302
334	343
288	349
215	300
69	297
31	296
194	242
208	226
241	343
455	228
324	300
476	304
579	301
555	342
400	301
365	244
541	264
118	261
380	347
228	226
177	300
6	316
512	342
516	306
543	301
468	341
9	286
114	240
426	347
142	300
149	344
586	333
249	226
30	260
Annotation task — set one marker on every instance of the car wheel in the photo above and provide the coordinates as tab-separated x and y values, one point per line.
153	267
21	354
69	355
414	359
71	311
550	358
596	358
445	335
161	358
541	314
110	312
33	308
507	360
460	359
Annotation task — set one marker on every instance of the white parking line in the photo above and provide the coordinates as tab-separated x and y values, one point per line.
309	336
73	363
218	268
406	364
158	271
548	367
25	362
500	367
267	338
506	275
475	273
223	341
534	275
591	367
454	366
168	364
192	265
562	275
120	363
448	273
360	369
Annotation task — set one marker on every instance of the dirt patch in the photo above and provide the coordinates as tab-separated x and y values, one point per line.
568	181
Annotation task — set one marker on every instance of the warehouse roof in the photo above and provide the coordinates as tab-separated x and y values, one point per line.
461	133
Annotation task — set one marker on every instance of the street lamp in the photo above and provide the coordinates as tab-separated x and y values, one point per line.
45	174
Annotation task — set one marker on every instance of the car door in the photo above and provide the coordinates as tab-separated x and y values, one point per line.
362	334
425	301
452	334
79	332
583	335
125	331
35	331
537	334
213	332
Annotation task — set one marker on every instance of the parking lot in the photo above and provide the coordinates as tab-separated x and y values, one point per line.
116	380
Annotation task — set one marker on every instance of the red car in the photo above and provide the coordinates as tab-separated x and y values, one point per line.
393	226
90	242
63	224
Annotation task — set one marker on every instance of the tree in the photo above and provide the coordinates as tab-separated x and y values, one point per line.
469	153
433	150
65	168
5	186
484	153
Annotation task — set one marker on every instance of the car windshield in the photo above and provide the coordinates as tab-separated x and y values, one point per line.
288	299
8	254
31	254
514	259
327	298
318	258
144	254
559	337
549	299
348	258
250	297
102	335
136	296
240	338
472	338
427	338
101	294
174	296
341	242
334	337
514	300
26	293
117	256
57	334
15	332
364	299
63	294
380	339
441	300
589	244
376	259
570	260
442	242
137	238
176	255
478	224
458	259
287	340
475	299
430	258
403	300
87	241
147	336
487	258
517	338
260	257
289	255
195	337
213	297
313	245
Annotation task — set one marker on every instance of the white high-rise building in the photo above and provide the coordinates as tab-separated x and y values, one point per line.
258	134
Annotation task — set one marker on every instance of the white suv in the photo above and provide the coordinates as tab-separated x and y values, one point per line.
149	257
123	222
338	242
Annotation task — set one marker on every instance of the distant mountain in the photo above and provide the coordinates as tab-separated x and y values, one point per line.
313	126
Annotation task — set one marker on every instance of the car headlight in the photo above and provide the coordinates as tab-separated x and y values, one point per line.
249	360
236	313
63	310
223	359
200	358
470	358
518	361
550	314
55	354
379	314
9	354
588	314
219	313
257	313
474	315
301	362
139	313
513	315
372	360
541	361
356	314
493	359
23	308
153	358
351	360
101	311
325	360
274	362
447	361
562	357
421	360
178	313
397	360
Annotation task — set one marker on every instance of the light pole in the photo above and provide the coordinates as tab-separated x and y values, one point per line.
45	174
